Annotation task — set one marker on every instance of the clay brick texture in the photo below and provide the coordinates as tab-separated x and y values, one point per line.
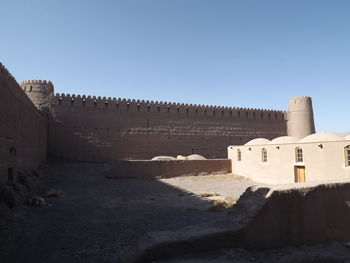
23	129
106	130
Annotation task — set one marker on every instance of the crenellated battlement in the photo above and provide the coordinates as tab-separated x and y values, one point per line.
15	87
39	92
27	82
6	73
131	105
107	129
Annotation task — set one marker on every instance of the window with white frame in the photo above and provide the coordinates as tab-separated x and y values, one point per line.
239	155
264	155
299	158
347	155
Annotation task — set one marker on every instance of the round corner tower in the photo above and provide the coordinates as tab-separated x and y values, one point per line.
300	122
39	92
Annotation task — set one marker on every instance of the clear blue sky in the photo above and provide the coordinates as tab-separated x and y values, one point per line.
232	53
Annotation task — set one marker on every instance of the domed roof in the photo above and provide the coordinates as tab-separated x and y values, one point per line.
322	137
196	157
284	139
347	137
258	141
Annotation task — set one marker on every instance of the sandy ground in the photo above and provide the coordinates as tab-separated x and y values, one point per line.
224	185
100	220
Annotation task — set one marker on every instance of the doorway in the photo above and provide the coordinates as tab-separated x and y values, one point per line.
299	174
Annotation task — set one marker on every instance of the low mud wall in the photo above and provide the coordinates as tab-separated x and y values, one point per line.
264	217
168	168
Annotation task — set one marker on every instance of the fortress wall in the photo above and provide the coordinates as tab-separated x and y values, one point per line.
109	129
23	129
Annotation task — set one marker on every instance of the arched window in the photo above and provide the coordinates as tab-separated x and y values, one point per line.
239	155
264	155
30	88
299	155
347	155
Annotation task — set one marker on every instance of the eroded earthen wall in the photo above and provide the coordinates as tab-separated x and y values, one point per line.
101	129
23	130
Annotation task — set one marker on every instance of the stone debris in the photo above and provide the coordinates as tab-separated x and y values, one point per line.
54	193
36	201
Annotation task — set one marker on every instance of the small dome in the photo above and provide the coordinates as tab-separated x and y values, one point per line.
258	141
322	137
347	137
163	158
284	139
196	157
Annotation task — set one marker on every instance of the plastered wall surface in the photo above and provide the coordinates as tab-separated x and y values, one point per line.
326	162
106	130
23	130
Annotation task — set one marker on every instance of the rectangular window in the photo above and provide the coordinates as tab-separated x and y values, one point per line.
347	155
239	155
299	155
264	155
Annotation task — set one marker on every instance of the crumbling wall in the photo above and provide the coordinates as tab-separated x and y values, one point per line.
105	130
308	213
23	130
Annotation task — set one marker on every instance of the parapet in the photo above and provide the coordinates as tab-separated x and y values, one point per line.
300	103
25	82
39	92
13	85
37	86
132	105
5	73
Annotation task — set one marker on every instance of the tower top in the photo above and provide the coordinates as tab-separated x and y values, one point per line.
300	117
38	91
28	82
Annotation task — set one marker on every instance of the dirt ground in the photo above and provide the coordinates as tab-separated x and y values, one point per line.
101	220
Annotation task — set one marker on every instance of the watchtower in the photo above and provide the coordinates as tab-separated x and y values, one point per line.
39	92
300	120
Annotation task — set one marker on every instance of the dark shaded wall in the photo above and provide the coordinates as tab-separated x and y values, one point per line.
23	129
106	130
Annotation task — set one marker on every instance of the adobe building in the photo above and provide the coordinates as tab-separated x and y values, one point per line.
36	124
317	157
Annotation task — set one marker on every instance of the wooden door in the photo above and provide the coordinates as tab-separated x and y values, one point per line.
299	174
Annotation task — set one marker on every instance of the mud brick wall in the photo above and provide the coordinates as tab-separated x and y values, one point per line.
108	129
23	129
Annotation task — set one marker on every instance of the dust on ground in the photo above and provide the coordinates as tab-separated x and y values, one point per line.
212	186
101	220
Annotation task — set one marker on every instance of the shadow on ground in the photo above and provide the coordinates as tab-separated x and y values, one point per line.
98	219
